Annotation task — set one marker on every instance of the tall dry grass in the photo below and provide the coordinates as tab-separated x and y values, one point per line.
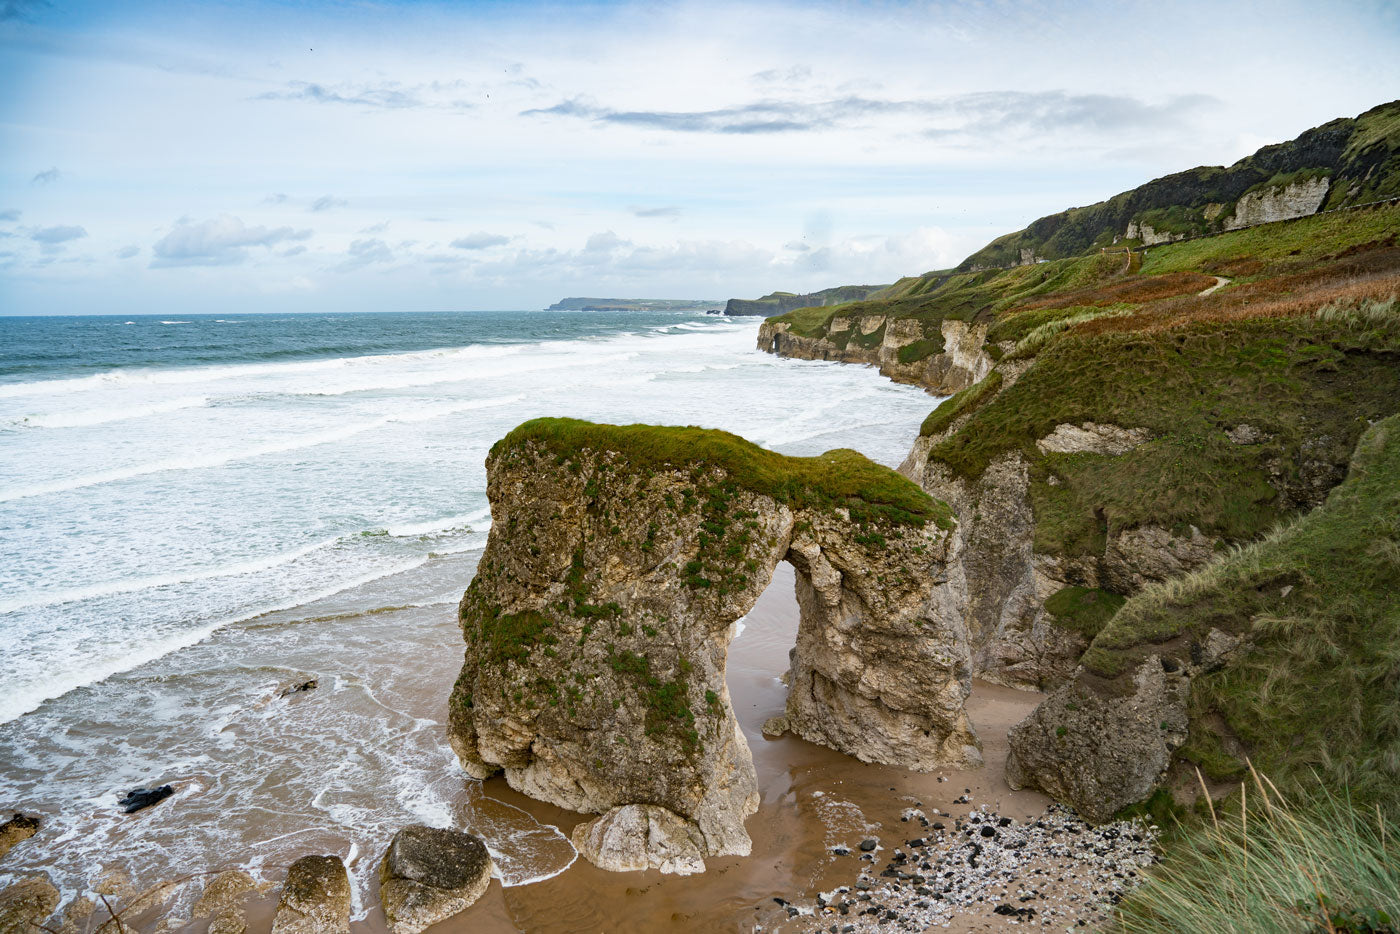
1270	865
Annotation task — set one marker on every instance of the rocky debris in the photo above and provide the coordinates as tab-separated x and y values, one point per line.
315	898
429	874
140	798
25	904
641	836
1246	434
18	828
1092	438
299	687
76	914
598	625
1053	870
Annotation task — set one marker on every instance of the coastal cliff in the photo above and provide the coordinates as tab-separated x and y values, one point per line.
599	621
776	303
1119	426
1349	161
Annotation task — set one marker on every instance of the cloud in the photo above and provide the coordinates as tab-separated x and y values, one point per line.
20	9
127	252
46	176
668	211
293	251
604	242
59	234
374	228
11	214
479	241
221	241
366	252
327	202
276	198
990	112
387	95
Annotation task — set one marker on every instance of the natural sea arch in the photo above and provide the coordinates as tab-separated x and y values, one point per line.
599	622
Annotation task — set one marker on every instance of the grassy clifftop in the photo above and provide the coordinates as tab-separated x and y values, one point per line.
1359	158
840	478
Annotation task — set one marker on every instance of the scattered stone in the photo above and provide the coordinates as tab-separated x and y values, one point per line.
429	874
868	844
140	798
315	898
299	687
25	904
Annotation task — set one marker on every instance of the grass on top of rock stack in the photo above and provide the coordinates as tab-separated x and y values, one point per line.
1315	687
840	478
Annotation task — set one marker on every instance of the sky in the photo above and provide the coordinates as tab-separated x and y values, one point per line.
225	157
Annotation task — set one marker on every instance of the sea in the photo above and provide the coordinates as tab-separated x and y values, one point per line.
200	512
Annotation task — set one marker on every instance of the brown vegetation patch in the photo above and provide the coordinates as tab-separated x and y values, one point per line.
1132	290
1374	275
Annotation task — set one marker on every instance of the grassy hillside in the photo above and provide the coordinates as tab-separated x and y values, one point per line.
1317	690
1192	369
1359	157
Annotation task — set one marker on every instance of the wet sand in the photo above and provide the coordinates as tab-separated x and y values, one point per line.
812	799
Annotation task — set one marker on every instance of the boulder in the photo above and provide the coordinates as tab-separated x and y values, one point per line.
25	904
315	898
140	798
429	874
641	836
16	829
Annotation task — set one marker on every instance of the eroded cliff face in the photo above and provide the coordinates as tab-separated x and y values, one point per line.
878	341
599	621
1281	202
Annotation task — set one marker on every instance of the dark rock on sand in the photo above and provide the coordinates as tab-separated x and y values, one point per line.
429	874
299	687
315	898
17	828
139	798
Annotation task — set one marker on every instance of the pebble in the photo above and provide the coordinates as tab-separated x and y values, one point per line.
1051	871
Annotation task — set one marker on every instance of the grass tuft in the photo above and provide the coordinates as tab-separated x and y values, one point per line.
1267	865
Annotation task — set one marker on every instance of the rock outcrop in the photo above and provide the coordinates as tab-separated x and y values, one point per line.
1279	202
777	303
315	898
1256	655
959	360
24	905
429	874
599	621
16	830
222	902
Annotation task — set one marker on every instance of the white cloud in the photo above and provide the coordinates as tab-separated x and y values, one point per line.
220	241
59	234
480	241
327	203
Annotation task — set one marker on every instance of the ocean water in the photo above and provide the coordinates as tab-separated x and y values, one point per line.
197	511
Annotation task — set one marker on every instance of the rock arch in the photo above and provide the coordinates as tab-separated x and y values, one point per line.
598	626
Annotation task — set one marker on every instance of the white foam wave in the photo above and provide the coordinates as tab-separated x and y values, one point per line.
114	588
218	459
438	526
102	416
23	697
